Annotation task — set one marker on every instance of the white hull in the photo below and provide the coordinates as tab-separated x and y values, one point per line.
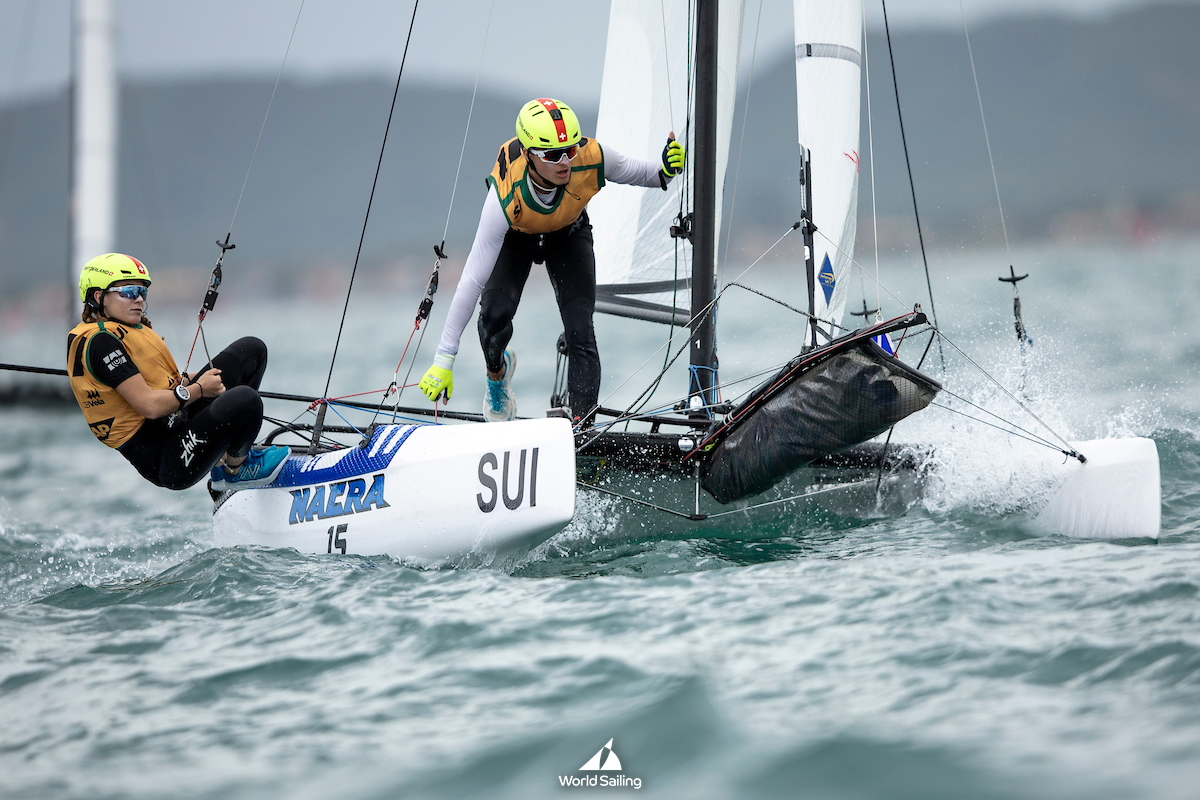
1117	494
433	494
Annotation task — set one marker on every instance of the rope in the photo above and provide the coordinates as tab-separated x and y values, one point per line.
371	199
911	186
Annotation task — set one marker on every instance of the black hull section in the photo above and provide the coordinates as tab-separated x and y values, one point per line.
811	412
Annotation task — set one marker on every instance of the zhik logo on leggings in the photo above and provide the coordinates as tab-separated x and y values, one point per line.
190	442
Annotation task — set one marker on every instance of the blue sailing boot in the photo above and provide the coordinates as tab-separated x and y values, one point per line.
261	467
499	404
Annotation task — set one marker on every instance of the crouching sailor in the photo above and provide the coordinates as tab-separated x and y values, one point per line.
535	212
173	428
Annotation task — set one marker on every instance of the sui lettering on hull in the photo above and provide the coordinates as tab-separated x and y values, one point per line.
490	465
336	500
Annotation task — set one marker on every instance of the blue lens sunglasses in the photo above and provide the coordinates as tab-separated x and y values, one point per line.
130	292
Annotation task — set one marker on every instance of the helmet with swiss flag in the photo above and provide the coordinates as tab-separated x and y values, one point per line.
547	124
103	271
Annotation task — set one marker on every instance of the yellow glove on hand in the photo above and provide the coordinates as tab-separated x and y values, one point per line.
673	158
439	378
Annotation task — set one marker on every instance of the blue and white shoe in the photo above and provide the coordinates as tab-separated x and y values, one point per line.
499	404
260	468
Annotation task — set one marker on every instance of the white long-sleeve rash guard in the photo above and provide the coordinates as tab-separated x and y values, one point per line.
489	237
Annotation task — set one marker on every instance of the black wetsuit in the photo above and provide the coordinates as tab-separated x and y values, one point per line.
571	265
178	451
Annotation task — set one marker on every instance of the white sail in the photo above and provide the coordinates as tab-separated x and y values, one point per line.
644	96
828	79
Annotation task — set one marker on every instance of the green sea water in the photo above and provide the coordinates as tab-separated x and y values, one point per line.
943	649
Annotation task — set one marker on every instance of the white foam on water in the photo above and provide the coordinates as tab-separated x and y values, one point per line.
975	467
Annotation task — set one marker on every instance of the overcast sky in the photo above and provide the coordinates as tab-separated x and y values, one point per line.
531	47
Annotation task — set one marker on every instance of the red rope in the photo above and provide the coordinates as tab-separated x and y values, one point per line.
416	327
194	338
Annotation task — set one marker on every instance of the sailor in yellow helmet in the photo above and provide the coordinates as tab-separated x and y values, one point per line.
173	428
535	212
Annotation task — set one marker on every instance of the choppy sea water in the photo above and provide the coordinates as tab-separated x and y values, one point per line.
950	651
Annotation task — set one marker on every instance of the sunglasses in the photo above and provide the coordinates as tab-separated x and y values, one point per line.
556	155
130	292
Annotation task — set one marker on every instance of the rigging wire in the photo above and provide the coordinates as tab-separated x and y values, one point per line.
911	185
871	161
210	297
785	305
1037	440
1030	435
667	58
702	517
986	138
1011	396
371	199
271	102
686	329
440	251
684	223
741	143
466	132
865	271
17	74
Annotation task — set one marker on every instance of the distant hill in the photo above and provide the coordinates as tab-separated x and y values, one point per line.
1083	115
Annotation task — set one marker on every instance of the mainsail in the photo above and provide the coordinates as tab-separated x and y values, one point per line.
641	271
828	76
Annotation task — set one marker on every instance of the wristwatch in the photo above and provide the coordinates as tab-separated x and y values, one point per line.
183	394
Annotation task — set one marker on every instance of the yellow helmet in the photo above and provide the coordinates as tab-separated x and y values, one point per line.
546	123
103	271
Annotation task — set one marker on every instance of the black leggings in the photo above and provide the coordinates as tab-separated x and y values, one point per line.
571	265
180	456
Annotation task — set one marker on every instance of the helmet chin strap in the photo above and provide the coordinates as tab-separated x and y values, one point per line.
536	176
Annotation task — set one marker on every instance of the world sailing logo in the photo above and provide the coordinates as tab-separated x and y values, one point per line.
605	760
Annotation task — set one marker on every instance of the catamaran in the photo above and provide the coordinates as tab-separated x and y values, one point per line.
437	493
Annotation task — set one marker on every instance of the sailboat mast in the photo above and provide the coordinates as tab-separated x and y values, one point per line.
94	135
703	328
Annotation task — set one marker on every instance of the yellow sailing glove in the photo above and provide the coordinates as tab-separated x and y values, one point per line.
673	158
439	379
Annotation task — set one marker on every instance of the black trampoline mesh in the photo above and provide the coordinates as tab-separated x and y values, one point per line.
847	399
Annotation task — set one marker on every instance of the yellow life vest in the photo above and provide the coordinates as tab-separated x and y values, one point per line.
527	215
108	414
